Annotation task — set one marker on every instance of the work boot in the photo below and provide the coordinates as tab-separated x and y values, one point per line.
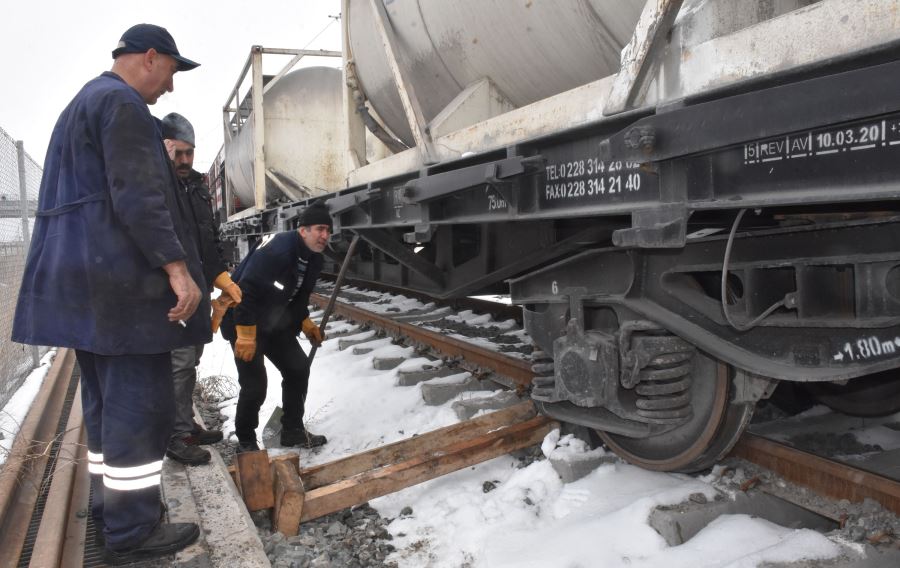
203	437
251	446
301	437
100	538
165	539
183	451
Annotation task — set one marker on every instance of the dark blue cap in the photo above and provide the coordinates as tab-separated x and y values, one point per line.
142	37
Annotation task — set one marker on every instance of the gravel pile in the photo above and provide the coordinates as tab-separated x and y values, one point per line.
352	538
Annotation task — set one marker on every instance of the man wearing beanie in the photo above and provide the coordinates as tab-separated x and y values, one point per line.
276	279
178	136
112	273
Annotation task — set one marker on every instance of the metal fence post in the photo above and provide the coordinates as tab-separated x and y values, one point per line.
26	232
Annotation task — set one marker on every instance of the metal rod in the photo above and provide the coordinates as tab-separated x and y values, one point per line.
236	91
312	52
405	88
259	130
337	287
288	66
655	22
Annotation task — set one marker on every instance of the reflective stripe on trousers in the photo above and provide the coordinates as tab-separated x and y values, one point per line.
125	478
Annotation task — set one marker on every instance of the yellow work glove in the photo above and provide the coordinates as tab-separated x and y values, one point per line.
220	305
224	283
312	332
245	345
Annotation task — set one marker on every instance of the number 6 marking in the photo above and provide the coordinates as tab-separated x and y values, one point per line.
554	288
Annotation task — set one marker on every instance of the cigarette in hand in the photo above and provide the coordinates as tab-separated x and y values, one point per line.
181	323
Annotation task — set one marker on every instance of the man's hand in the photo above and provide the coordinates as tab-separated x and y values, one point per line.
185	289
312	332
245	344
224	283
170	148
219	306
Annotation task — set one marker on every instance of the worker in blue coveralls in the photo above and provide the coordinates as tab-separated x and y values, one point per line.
112	272
276	279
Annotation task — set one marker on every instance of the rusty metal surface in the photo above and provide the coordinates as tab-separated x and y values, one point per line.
823	476
516	370
23	474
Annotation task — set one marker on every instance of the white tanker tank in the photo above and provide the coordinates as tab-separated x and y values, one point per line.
521	51
528	50
303	138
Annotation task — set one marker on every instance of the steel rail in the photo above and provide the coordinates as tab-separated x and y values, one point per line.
822	476
21	479
51	537
515	370
506	311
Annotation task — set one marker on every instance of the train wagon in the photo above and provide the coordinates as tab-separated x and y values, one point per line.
692	202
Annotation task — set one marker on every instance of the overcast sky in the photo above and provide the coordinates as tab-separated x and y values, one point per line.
51	48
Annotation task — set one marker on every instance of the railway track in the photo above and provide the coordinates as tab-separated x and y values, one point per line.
44	486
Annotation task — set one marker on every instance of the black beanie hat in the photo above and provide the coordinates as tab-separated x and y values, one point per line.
316	214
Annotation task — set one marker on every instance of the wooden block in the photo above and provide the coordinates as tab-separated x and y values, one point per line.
325	474
383	480
289	497
290	457
254	479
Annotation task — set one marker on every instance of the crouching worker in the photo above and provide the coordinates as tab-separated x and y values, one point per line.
276	279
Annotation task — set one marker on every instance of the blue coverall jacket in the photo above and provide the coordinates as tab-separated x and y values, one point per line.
268	278
109	217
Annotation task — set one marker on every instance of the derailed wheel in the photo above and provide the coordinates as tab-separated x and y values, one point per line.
715	426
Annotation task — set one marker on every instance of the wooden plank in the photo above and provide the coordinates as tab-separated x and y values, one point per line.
453	457
289	497
254	479
325	474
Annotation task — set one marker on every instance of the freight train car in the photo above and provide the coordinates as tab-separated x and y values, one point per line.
691	201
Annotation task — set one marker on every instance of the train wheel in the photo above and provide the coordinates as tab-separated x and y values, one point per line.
714	428
873	395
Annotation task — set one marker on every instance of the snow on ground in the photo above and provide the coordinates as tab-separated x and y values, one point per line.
532	518
14	412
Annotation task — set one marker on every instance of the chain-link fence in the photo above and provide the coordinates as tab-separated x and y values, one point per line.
20	179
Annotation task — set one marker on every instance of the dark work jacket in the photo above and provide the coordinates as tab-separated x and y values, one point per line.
109	217
268	277
203	226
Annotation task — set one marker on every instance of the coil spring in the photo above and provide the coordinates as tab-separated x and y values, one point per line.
543	385
664	386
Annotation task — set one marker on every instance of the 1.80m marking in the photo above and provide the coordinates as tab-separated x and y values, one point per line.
867	348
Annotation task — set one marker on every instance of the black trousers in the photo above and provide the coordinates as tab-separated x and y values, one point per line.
283	350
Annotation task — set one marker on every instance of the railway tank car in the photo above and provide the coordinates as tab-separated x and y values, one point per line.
685	227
